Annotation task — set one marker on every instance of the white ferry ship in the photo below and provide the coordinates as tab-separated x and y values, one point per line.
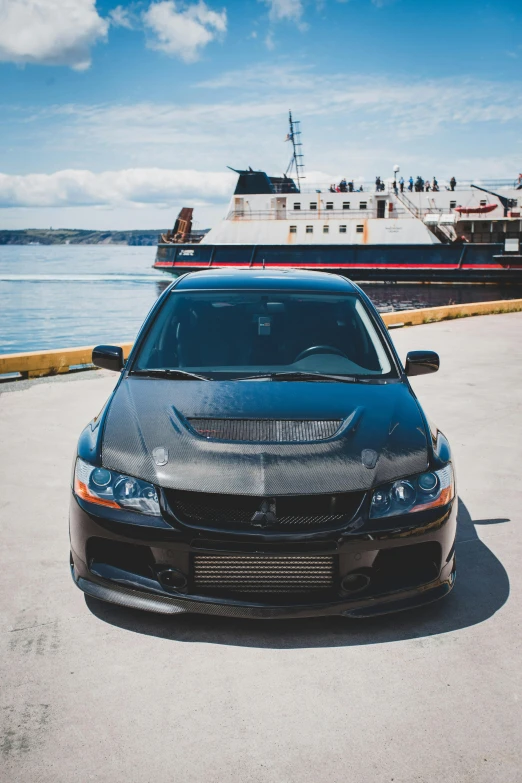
378	232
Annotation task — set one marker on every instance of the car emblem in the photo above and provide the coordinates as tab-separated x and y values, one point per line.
266	515
369	458
160	455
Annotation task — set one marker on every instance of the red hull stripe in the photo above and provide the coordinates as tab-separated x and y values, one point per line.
173	265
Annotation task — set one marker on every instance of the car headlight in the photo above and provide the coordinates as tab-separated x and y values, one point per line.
415	493
115	490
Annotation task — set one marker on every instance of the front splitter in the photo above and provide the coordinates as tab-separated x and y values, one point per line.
369	607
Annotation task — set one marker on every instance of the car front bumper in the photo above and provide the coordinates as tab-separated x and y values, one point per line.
133	583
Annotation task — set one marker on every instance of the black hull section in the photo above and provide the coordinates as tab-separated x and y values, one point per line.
453	263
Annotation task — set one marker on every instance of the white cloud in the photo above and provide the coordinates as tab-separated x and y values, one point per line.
269	41
50	32
74	187
291	10
122	17
182	31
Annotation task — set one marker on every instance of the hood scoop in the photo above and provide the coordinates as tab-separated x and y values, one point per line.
266	430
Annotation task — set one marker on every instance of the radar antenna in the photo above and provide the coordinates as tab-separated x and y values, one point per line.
296	161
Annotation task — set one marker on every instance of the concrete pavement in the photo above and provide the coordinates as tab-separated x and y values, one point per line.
92	692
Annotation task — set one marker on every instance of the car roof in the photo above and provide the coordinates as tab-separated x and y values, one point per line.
262	279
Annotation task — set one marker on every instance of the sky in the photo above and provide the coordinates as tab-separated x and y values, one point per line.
116	115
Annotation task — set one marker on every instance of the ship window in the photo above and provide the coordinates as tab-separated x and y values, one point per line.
297	205
293	229
453	204
329	205
363	205
309	229
360	229
342	229
313	205
346	205
326	229
483	202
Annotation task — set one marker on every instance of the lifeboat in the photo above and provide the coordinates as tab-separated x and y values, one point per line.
476	210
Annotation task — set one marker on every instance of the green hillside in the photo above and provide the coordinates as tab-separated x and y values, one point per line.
66	236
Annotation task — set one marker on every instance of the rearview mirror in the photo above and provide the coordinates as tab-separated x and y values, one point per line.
421	362
110	357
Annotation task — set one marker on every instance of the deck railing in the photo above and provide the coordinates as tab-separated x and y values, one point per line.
369	187
312	214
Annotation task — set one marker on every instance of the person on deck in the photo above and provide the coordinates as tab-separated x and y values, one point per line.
453	183
401	184
410	184
342	185
519	182
435	185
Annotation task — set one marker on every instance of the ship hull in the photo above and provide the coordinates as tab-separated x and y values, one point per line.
437	262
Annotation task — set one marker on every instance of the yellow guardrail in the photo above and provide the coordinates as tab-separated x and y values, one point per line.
425	315
36	364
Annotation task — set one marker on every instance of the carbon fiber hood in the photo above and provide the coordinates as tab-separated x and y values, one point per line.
146	414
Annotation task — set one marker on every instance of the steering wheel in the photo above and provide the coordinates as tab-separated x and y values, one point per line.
319	349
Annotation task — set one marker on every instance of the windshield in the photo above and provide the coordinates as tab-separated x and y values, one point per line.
227	334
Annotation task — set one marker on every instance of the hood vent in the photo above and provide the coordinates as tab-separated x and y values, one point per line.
266	430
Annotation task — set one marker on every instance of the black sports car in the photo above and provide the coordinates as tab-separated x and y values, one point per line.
263	455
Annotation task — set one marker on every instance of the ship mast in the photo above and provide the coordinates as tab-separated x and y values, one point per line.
296	161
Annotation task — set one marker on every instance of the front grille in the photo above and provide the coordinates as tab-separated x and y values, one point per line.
247	512
266	430
262	574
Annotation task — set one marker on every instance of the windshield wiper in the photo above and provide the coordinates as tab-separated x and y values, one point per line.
180	375
300	376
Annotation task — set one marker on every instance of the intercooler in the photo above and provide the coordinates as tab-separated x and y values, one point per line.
263	574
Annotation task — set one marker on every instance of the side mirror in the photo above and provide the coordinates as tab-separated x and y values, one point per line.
421	362
110	357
